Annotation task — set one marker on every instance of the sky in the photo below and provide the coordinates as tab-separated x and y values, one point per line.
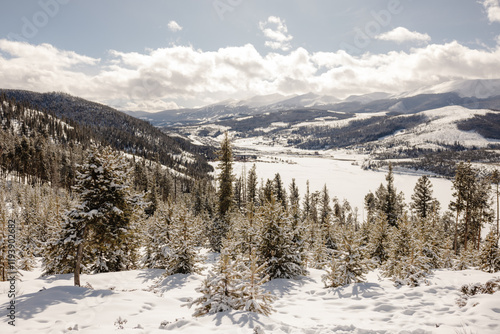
152	55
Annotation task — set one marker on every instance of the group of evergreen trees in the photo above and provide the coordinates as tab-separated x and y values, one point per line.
115	218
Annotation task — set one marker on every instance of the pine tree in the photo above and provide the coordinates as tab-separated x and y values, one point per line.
101	222
432	239
225	177
182	256
319	253
253	297
279	190
465	189
379	239
489	258
219	289
391	200
276	248
349	264
221	223
370	206
422	200
407	264
252	197
157	237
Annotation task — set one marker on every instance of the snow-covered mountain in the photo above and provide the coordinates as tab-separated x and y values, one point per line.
479	89
467	93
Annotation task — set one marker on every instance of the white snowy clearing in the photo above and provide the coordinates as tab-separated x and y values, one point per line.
152	304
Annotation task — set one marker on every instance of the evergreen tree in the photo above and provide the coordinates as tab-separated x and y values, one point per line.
489	258
157	237
219	289
407	264
252	186
370	206
422	200
390	206
253	298
464	185
182	256
379	239
306	206
279	190
221	223
101	223
225	176
349	265
277	249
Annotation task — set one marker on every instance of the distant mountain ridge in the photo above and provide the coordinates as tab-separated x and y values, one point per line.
475	94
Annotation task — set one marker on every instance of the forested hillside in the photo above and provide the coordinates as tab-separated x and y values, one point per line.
38	147
123	132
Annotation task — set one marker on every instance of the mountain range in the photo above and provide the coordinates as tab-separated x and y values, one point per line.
475	94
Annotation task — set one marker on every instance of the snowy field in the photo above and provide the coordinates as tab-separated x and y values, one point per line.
342	173
152	304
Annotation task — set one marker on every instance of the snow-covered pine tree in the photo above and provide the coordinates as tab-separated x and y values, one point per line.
99	228
298	226
489	258
219	289
350	262
467	259
225	195
318	252
432	239
185	228
252	191
276	247
379	239
422	200
157	237
279	190
406	265
390	203
370	206
253	297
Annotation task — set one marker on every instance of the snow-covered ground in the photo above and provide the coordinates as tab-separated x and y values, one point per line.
152	304
441	128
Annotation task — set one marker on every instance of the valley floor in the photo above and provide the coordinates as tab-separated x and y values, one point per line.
151	303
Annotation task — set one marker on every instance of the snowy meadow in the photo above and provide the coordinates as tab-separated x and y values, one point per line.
148	303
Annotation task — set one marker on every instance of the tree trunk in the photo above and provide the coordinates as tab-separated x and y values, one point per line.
79	255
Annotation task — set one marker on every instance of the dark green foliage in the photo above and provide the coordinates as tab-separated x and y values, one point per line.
277	248
225	176
422	201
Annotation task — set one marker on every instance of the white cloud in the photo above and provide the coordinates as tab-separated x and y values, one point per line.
174	26
493	9
276	31
183	76
401	34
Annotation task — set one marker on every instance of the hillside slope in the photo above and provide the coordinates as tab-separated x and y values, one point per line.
121	131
